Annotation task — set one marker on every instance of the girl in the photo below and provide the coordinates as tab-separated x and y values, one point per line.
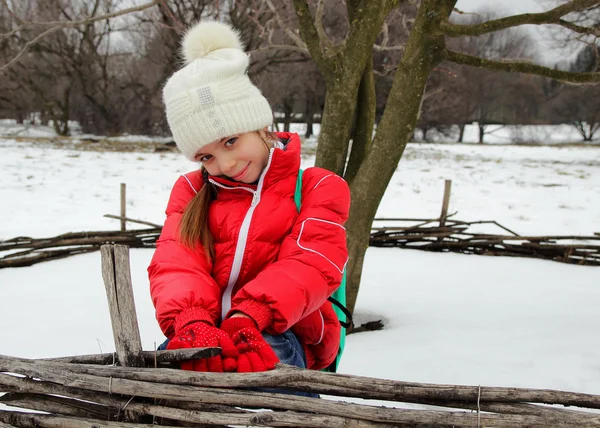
237	266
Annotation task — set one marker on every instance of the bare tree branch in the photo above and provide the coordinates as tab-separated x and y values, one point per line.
521	67
579	29
295	37
461	12
58	25
271	47
66	24
326	43
384	43
28	45
310	33
177	24
11	13
552	16
383	48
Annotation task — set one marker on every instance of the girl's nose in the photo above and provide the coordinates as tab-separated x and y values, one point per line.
227	165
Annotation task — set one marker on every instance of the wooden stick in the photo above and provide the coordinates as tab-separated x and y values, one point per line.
119	292
427	220
538	238
48	421
62	405
291	418
131	220
275	419
123	206
470	223
563	415
430	220
346	385
94	240
11	261
445	202
26	385
286	377
26	242
161	357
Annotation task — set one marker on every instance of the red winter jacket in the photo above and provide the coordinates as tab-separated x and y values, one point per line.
272	263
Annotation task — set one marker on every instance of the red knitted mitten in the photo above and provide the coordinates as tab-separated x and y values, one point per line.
203	335
255	353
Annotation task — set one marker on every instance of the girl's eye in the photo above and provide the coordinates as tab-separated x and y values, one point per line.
230	142
203	158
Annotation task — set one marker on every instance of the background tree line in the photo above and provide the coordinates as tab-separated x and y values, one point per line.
108	75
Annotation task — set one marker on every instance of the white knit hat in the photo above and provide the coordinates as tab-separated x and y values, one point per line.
211	97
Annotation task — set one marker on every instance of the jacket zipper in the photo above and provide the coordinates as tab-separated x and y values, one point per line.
240	247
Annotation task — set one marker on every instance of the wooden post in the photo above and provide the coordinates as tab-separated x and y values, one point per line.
119	292
123	207
445	202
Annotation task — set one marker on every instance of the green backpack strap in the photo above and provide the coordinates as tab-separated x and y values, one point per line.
338	298
298	194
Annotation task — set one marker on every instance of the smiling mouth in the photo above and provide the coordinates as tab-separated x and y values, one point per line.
241	173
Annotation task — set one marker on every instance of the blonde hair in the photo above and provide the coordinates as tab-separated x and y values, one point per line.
193	228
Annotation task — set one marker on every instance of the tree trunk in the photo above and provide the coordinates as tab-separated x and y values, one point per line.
424	51
310	113
287	115
481	131
364	123
65	113
309	127
593	129
342	66
44	117
336	126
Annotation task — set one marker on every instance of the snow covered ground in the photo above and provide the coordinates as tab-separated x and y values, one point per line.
448	318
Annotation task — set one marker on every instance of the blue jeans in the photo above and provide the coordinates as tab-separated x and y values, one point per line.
289	351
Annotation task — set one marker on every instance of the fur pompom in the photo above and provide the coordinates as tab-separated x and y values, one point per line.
208	36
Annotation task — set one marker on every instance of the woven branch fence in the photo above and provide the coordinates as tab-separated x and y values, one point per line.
454	236
91	395
136	388
427	234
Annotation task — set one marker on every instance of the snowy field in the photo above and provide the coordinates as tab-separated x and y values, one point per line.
448	318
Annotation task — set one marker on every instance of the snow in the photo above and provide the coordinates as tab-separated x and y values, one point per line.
449	318
33	129
510	134
10	128
458	319
541	134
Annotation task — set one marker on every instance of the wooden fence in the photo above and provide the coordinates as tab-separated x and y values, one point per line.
135	388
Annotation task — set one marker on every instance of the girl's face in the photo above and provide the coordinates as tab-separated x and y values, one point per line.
239	157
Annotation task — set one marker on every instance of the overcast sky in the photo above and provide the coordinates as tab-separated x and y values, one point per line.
540	33
510	6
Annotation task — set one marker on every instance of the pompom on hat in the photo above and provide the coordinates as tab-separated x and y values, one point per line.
211	97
